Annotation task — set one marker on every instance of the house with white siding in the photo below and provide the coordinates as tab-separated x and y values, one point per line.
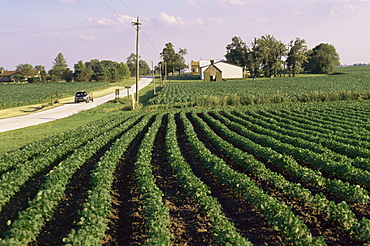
209	70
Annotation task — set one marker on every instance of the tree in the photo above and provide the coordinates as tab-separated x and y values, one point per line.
93	65
43	74
174	61
25	70
60	61
297	56
67	75
237	52
106	70
254	59
270	51
131	63
124	70
60	66
82	72
323	59
144	69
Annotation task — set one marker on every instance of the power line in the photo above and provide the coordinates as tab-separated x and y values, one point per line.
128	8
151	43
132	22
116	13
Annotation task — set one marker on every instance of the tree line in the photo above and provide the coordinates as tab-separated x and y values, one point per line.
93	70
104	70
270	57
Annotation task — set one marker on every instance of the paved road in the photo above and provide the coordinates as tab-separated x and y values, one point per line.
61	111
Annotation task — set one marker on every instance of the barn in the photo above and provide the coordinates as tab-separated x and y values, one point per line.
220	70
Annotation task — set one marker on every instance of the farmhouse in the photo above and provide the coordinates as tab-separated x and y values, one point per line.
209	70
10	76
7	76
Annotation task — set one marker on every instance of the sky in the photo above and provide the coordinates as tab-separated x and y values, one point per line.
36	31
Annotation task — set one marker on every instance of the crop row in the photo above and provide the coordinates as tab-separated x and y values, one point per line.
310	128
31	150
94	213
251	140
11	181
27	227
339	213
278	214
224	231
355	152
320	161
345	129
289	164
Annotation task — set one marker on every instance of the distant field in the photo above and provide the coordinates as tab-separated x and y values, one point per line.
346	79
15	95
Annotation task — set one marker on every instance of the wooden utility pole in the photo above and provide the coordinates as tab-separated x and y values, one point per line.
160	73
153	79
137	24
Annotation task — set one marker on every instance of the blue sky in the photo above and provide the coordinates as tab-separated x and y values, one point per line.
36	31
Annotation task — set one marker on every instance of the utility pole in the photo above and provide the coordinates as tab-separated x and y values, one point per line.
160	73
153	79
137	24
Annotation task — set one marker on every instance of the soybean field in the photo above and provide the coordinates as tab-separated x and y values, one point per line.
348	83
15	95
267	175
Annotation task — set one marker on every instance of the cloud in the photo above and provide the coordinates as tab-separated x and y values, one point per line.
231	3
261	19
67	1
210	21
100	21
171	20
90	38
349	7
192	3
217	21
198	21
116	20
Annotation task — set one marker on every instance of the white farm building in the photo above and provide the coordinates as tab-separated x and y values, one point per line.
209	70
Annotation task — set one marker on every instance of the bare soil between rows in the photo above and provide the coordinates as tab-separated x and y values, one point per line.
318	224
189	224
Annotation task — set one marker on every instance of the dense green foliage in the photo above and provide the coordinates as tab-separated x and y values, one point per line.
144	68
323	59
172	60
15	95
104	71
270	57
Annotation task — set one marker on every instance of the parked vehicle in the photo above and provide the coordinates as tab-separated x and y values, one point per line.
83	96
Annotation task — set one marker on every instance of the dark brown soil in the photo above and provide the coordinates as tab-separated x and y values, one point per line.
66	213
189	226
318	224
249	222
20	200
360	210
126	224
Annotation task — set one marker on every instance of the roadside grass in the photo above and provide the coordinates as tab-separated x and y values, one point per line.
24	110
15	139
